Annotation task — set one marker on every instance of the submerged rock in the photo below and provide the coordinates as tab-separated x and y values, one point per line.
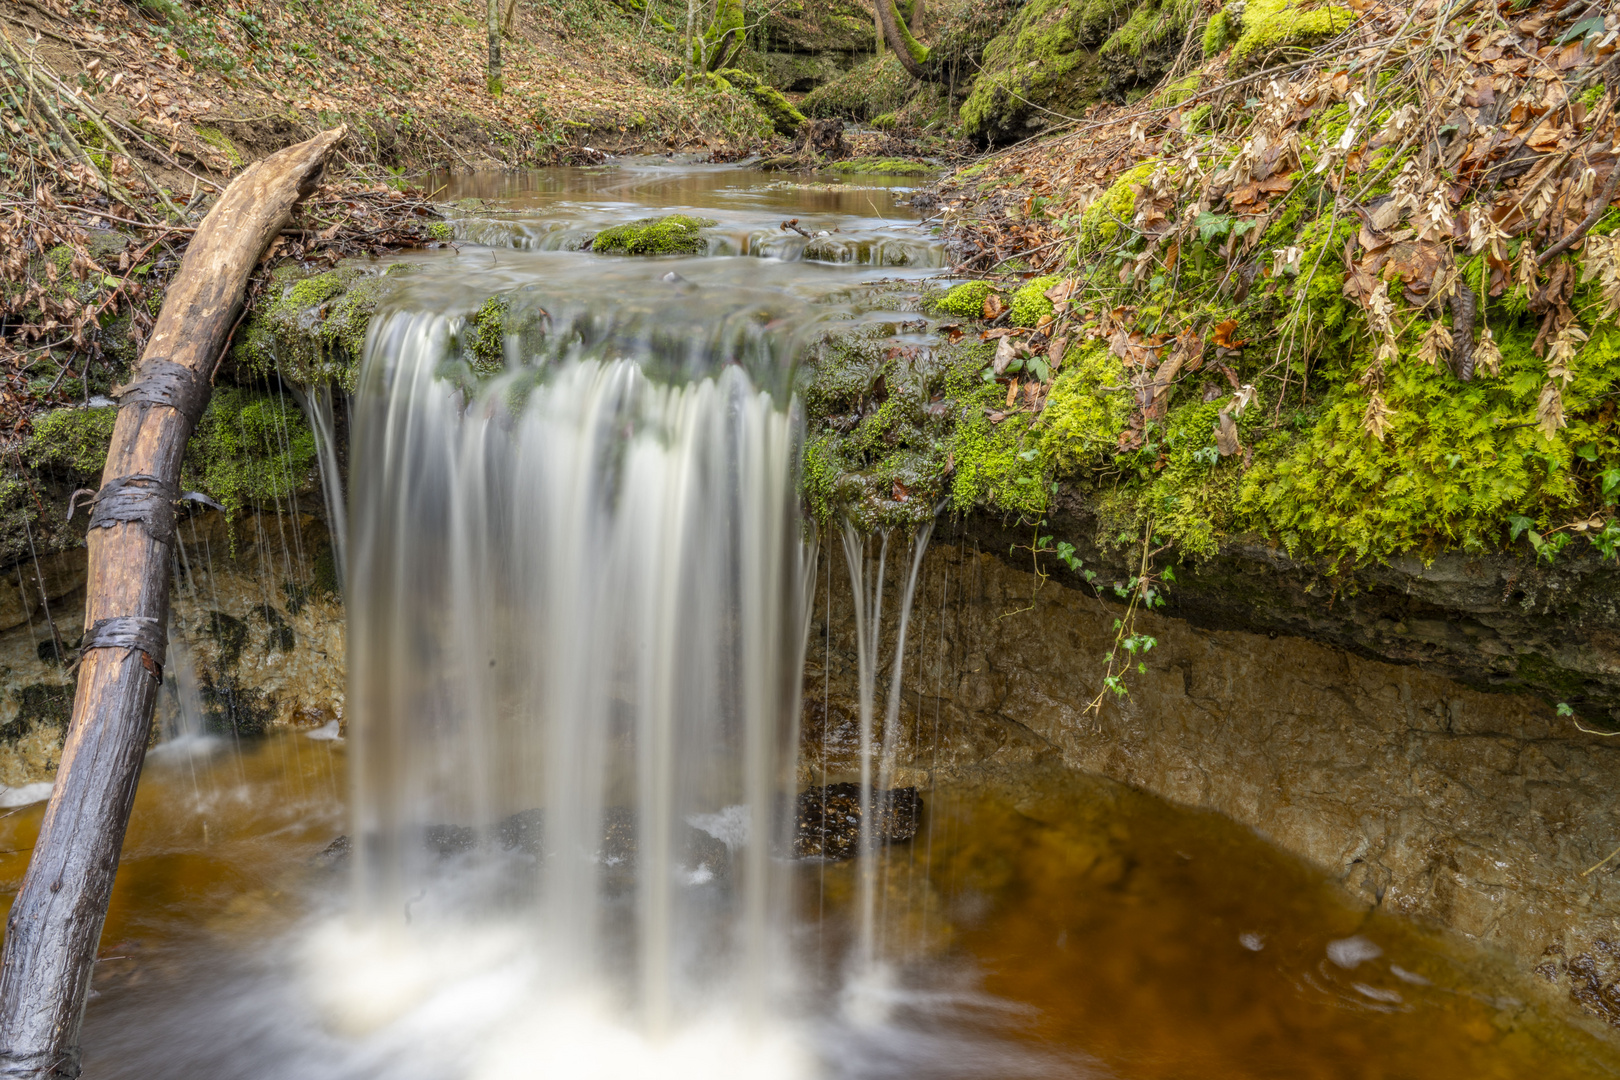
827	822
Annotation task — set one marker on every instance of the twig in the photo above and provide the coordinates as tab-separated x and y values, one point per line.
1574	235
1605	859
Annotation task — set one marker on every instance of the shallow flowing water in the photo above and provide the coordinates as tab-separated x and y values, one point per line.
577	608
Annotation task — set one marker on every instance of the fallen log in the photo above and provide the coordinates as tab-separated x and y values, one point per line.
55	924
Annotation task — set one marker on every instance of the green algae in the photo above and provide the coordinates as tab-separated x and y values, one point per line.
676	234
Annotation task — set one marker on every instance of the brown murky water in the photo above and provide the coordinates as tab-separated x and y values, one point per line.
1055	925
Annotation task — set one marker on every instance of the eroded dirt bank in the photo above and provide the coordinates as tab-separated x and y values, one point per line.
1474	810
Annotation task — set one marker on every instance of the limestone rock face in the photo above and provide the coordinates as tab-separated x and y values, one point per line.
1475	810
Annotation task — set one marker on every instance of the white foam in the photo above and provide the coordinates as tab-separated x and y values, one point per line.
25	794
1351	951
483	1002
730	826
331	731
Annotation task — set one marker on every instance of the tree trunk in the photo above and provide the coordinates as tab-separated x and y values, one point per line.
55	924
691	43
914	56
492	20
877	21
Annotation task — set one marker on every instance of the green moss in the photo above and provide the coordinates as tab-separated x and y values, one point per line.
221	142
1272	27
1043	63
677	234
784	117
1100	224
1217	33
1086	410
1150	25
881	167
441	230
891	431
997	466
1029	303
72	440
250	449
871	88
965	301
487	340
311	328
1454	466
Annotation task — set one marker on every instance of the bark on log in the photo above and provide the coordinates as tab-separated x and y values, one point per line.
55	924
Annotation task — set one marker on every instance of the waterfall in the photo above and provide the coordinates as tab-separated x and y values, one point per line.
575	603
866	586
316	401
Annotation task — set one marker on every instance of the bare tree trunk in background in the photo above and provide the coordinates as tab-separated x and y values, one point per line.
492	10
917	17
691	31
511	13
877	20
55	924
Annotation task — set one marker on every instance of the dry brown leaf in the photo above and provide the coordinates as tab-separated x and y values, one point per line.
1226	435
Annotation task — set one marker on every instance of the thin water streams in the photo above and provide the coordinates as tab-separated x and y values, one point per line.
556	838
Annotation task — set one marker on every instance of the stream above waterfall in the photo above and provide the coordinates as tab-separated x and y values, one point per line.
579	588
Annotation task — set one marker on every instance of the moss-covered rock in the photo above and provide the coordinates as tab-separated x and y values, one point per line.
250	448
311	328
1103	218
784	117
676	234
892	430
1043	63
1057	57
965	301
872	166
1270	28
817	27
1030	304
875	86
72	441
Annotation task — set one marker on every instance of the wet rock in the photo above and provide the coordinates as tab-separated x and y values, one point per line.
827	820
1478	811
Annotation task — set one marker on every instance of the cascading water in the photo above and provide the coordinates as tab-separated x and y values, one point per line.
576	601
575	627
